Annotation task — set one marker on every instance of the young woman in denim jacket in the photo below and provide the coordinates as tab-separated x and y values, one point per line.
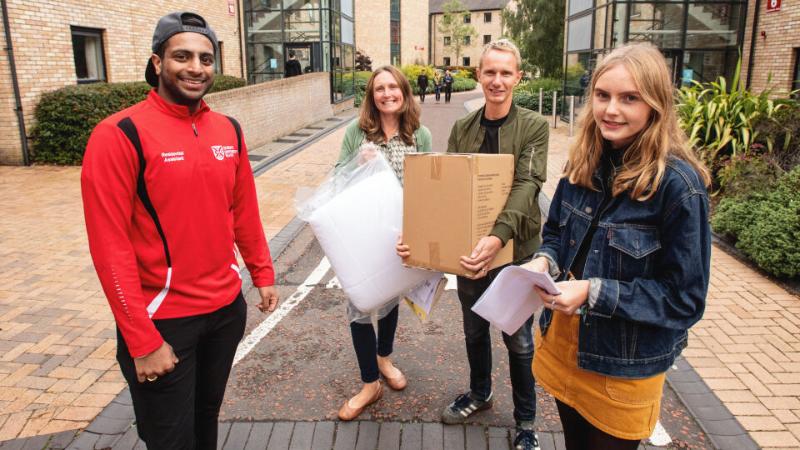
628	236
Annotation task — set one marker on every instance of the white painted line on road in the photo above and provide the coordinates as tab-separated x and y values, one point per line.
255	336
660	438
333	284
451	282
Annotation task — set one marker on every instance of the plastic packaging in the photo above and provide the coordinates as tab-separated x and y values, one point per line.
356	216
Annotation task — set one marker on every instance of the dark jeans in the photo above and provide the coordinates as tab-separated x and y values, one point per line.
448	90
180	409
422	92
579	434
367	349
437	90
479	351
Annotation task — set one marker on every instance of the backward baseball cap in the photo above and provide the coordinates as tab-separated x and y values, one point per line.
170	25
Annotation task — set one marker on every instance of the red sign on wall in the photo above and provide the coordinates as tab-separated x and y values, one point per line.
773	5
232	7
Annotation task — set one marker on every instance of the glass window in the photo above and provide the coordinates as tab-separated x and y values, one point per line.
658	23
713	25
301	25
446	61
466	61
87	50
576	6
487	17
299	4
467	18
579	34
487	38
447	40
264	26
261	5
796	79
265	58
600	27
347	8
467	40
620	22
707	66
347	31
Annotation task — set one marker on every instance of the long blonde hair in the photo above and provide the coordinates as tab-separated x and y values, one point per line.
370	118
645	160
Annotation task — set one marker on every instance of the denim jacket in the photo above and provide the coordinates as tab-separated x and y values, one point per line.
651	260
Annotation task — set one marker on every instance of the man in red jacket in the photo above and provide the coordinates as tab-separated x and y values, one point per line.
169	199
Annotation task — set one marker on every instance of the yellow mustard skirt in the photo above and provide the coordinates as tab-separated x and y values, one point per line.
621	407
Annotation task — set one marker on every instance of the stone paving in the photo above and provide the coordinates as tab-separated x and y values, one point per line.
57	369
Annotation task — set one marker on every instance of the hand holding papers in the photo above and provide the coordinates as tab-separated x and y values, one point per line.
511	299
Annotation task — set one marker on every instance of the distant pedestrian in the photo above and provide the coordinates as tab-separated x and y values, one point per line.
447	81
437	85
422	84
293	65
169	200
500	127
389	118
628	237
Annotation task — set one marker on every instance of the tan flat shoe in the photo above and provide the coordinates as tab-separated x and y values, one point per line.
347	412
397	383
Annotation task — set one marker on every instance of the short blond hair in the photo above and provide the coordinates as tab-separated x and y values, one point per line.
503	45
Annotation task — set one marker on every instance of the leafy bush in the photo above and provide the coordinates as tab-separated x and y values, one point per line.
744	174
719	119
784	130
464	84
526	94
66	117
462	71
412	71
766	225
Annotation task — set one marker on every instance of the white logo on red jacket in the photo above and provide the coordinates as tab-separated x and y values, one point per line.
223	151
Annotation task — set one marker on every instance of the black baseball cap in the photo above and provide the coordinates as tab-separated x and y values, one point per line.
170	25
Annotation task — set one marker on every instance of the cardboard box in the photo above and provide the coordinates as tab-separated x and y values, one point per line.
451	201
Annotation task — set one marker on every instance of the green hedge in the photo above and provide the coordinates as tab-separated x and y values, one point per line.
766	225
66	117
526	94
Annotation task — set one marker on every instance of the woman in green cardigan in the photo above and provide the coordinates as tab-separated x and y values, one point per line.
389	120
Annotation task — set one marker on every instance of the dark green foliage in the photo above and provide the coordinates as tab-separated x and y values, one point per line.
66	117
766	225
526	94
537	27
745	174
783	128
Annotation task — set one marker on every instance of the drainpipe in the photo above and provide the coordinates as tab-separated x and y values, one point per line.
17	98
242	39
751	58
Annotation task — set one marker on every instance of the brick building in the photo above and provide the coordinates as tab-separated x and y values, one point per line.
395	35
484	15
772	45
66	42
700	40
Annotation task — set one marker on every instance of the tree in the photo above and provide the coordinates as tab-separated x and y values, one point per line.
453	26
363	62
537	26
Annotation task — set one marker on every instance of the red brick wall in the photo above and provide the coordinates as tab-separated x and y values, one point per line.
775	53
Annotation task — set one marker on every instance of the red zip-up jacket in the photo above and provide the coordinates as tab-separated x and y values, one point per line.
164	244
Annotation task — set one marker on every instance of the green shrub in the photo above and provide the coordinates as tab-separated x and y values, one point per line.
412	71
461	71
744	174
784	130
464	84
526	94
766	225
66	117
719	118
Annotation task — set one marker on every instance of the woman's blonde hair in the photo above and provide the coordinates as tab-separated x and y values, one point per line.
645	160
370	118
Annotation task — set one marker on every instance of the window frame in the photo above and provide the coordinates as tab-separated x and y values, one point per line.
486	41
487	17
467	18
90	32
446	61
447	41
466	61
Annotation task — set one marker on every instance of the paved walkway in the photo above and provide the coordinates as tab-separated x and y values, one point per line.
57	369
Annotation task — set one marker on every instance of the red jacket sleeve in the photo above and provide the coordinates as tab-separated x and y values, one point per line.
108	188
248	232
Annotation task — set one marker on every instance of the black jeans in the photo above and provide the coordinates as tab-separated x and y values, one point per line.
437	90
367	349
579	434
422	93
479	351
448	90
180	409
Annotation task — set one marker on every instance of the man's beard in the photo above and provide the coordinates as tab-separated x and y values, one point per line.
178	96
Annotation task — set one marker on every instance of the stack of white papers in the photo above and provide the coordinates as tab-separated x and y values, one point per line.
510	300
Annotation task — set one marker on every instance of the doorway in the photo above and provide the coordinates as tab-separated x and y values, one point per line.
304	54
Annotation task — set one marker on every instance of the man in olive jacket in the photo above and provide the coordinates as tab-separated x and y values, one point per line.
501	127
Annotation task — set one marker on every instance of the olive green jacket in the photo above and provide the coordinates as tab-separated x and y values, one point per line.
525	135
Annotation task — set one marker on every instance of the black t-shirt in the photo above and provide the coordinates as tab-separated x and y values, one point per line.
490	139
